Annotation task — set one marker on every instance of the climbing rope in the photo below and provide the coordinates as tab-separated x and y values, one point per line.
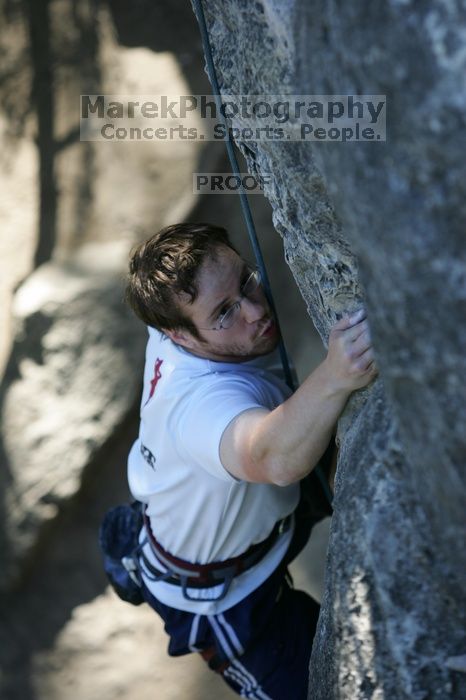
242	194
199	12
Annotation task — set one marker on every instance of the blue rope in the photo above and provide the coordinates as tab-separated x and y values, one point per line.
199	12
242	194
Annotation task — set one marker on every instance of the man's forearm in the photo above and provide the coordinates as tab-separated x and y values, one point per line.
283	445
289	441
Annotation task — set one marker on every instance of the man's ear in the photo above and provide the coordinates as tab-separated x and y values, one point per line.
178	336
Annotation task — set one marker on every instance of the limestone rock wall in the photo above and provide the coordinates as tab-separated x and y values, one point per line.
384	223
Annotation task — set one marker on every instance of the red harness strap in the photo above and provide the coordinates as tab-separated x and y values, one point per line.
200	575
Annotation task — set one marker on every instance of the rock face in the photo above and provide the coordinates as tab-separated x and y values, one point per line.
384	222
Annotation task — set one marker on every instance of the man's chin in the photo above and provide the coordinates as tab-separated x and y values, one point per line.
267	343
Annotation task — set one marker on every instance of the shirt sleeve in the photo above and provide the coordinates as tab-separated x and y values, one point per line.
207	414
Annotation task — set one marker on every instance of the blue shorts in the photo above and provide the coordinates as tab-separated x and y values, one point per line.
262	645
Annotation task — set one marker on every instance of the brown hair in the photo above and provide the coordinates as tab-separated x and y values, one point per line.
165	266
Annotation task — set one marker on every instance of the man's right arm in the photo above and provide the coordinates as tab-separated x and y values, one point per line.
284	445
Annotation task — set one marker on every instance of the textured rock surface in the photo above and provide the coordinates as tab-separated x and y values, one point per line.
394	606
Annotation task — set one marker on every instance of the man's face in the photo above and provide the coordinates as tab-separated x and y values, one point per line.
219	283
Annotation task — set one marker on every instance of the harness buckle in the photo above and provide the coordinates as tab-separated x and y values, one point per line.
227	578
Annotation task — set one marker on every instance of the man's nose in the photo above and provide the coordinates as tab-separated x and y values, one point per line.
253	309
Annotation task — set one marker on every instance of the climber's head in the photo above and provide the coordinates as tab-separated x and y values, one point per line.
189	282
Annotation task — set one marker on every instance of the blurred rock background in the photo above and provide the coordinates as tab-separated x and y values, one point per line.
70	352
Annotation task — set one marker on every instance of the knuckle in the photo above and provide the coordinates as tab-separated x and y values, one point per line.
363	364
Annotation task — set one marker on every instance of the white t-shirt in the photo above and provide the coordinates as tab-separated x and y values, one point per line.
198	511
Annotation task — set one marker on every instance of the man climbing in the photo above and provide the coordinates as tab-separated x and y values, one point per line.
224	453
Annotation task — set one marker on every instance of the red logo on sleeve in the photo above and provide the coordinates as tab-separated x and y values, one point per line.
155	378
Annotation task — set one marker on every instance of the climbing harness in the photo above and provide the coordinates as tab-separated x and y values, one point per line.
125	559
199	11
188	575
